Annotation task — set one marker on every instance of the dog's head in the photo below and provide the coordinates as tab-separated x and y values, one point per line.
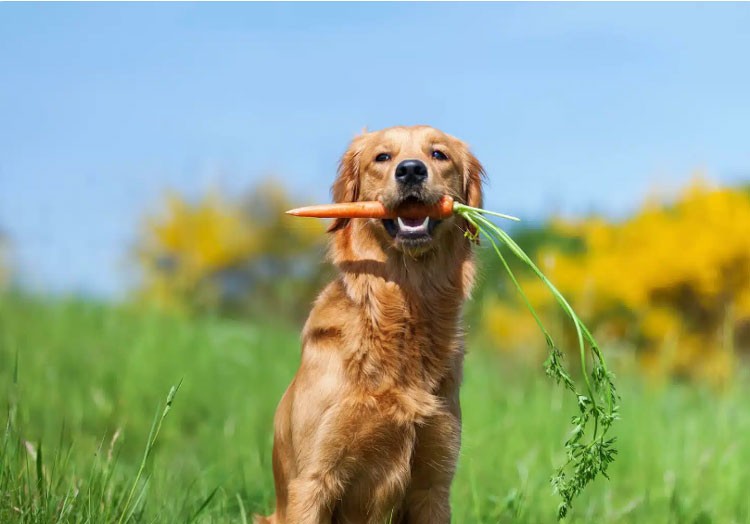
402	165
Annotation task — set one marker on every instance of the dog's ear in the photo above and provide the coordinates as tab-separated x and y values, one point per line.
474	176
346	186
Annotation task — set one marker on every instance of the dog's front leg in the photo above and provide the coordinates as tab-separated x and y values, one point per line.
427	499
310	501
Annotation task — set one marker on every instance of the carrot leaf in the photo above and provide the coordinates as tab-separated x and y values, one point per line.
588	450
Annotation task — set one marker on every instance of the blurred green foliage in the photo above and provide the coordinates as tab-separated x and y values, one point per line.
5	269
83	381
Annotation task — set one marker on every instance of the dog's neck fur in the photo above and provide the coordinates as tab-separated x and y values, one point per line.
412	306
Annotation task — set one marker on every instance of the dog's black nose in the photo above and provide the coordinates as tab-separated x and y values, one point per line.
411	172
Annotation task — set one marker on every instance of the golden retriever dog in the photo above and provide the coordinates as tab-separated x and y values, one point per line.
370	427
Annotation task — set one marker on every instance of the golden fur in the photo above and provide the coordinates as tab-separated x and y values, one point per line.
370	426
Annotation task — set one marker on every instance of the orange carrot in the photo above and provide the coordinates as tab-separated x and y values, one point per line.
442	209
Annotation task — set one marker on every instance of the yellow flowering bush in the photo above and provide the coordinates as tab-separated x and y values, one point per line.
222	253
672	281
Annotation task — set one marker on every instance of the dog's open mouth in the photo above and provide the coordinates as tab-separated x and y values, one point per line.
411	229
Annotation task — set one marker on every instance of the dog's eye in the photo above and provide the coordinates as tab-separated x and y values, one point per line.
439	155
383	157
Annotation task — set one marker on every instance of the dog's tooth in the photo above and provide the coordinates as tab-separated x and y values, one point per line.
424	226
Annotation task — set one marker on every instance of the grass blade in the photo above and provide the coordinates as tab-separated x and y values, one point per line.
243	513
153	435
203	506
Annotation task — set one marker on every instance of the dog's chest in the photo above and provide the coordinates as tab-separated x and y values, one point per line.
412	341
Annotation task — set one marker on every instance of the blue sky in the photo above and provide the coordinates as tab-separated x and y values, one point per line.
571	107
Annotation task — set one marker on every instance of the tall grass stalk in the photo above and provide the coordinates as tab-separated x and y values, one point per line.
127	510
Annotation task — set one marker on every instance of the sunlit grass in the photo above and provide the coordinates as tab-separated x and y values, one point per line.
78	413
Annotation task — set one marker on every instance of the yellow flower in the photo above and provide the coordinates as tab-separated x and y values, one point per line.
191	250
668	273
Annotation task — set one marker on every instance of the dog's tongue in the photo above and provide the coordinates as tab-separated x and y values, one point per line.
412	222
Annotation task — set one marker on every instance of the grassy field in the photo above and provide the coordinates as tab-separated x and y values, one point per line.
83	382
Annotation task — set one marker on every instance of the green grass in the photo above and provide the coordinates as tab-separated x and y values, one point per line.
83	384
